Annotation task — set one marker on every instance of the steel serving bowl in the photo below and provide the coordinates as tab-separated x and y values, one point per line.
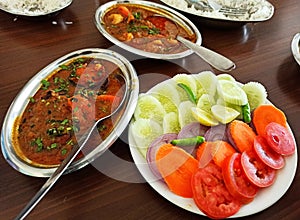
157	8
21	100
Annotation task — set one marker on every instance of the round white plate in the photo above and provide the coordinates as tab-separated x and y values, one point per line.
265	198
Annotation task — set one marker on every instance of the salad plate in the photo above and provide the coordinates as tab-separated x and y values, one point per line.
251	11
295	46
284	178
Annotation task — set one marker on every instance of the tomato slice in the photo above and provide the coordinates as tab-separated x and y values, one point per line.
236	180
280	139
267	154
257	171
211	195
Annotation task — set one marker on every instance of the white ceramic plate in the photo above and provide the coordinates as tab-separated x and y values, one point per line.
166	11
32	10
262	11
273	193
295	46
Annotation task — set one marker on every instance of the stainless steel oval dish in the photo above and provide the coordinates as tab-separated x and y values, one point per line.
21	100
159	9
34	8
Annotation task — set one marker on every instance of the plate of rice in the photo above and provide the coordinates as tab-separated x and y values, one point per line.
33	8
255	10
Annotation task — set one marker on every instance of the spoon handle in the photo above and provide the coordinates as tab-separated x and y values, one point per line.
216	60
55	176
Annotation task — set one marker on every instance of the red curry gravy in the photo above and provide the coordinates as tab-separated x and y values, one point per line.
145	30
64	107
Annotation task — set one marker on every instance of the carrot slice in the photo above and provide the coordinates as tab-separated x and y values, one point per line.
265	114
241	135
176	167
217	151
220	151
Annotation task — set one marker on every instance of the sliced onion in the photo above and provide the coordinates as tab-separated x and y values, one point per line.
217	133
152	149
192	130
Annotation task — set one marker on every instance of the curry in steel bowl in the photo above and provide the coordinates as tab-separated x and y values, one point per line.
146	28
56	106
64	107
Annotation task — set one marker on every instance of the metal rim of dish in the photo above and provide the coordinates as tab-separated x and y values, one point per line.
100	12
19	103
24	13
295	47
228	19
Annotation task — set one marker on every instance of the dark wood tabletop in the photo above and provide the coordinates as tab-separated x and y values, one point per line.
261	51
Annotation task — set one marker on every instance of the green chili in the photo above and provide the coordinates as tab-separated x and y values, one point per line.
189	92
192	141
246	113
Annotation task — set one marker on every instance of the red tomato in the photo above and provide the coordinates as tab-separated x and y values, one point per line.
280	139
267	154
211	195
257	172
236	180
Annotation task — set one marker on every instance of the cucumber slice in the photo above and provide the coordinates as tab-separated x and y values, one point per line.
204	117
206	83
187	80
166	102
226	76
171	123
256	94
145	131
232	93
224	114
169	89
148	107
184	113
205	103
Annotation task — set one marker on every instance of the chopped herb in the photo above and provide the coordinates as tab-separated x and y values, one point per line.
137	15
38	142
64	67
153	31
102	127
32	100
63	151
52	146
65	121
45	84
70	142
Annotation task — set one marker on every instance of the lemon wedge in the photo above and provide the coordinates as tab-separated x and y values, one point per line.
204	117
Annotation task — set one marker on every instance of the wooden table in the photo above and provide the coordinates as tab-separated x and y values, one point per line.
261	51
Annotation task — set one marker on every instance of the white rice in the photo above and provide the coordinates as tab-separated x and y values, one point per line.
258	10
33	7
